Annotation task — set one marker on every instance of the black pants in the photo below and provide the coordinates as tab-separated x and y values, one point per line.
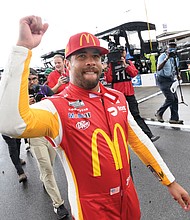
14	151
171	99
134	109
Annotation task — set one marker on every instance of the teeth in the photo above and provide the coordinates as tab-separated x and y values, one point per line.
89	73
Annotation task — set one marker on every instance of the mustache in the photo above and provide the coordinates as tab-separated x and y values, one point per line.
91	69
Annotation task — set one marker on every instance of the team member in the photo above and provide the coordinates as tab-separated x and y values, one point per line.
58	79
90	122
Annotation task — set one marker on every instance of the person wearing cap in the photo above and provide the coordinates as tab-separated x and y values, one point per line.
90	122
166	76
58	79
120	73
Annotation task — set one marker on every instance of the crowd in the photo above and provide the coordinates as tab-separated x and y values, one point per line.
104	122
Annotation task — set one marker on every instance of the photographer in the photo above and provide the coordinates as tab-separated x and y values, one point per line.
58	79
168	62
119	73
42	149
37	91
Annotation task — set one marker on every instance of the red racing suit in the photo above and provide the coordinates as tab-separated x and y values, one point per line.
98	153
94	131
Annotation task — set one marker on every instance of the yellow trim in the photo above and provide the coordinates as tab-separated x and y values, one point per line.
32	117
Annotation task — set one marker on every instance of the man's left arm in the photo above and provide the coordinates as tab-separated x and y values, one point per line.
148	154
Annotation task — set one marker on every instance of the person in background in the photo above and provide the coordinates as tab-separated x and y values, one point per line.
119	74
58	79
42	149
91	124
14	152
167	65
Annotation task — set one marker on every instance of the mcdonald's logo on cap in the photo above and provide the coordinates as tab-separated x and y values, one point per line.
83	40
87	37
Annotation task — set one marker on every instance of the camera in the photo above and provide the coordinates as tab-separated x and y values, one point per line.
172	52
36	93
115	53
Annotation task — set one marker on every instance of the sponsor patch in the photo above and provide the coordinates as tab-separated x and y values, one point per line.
79	115
122	108
82	125
114	190
128	180
76	104
155	173
113	111
78	109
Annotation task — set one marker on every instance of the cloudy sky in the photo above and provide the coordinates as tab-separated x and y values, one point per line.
70	17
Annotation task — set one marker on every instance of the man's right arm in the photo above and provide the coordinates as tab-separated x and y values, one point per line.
17	118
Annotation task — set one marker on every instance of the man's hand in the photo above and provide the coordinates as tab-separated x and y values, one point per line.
124	62
31	100
180	195
31	31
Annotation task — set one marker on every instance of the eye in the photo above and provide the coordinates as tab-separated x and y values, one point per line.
97	56
81	55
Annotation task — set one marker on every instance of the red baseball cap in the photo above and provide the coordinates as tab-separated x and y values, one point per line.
83	40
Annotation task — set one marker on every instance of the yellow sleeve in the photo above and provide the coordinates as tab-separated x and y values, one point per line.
144	148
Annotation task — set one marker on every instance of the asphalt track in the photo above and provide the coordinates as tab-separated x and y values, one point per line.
30	201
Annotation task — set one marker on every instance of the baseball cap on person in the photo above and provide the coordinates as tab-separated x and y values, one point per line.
83	40
33	72
172	44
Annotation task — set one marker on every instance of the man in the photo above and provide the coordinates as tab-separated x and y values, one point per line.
119	73
59	78
91	124
42	149
167	67
14	152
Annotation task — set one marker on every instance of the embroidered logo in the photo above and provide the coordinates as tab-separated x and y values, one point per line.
83	125
79	115
113	111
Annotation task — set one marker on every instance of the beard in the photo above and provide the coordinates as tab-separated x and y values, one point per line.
88	84
87	78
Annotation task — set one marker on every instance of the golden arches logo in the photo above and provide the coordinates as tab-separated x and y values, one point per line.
87	37
114	148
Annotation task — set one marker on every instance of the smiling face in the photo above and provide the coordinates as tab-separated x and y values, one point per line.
85	68
59	63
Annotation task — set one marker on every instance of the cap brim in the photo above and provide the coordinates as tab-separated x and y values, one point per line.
102	50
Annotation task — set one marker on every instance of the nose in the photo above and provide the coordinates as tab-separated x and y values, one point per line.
90	61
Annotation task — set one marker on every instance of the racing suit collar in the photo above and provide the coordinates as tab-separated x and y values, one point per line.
104	92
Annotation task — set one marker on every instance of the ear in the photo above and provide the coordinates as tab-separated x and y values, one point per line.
67	64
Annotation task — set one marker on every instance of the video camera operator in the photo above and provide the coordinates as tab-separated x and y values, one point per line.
120	72
167	65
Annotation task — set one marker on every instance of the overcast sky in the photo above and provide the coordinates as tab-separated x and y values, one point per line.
66	18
